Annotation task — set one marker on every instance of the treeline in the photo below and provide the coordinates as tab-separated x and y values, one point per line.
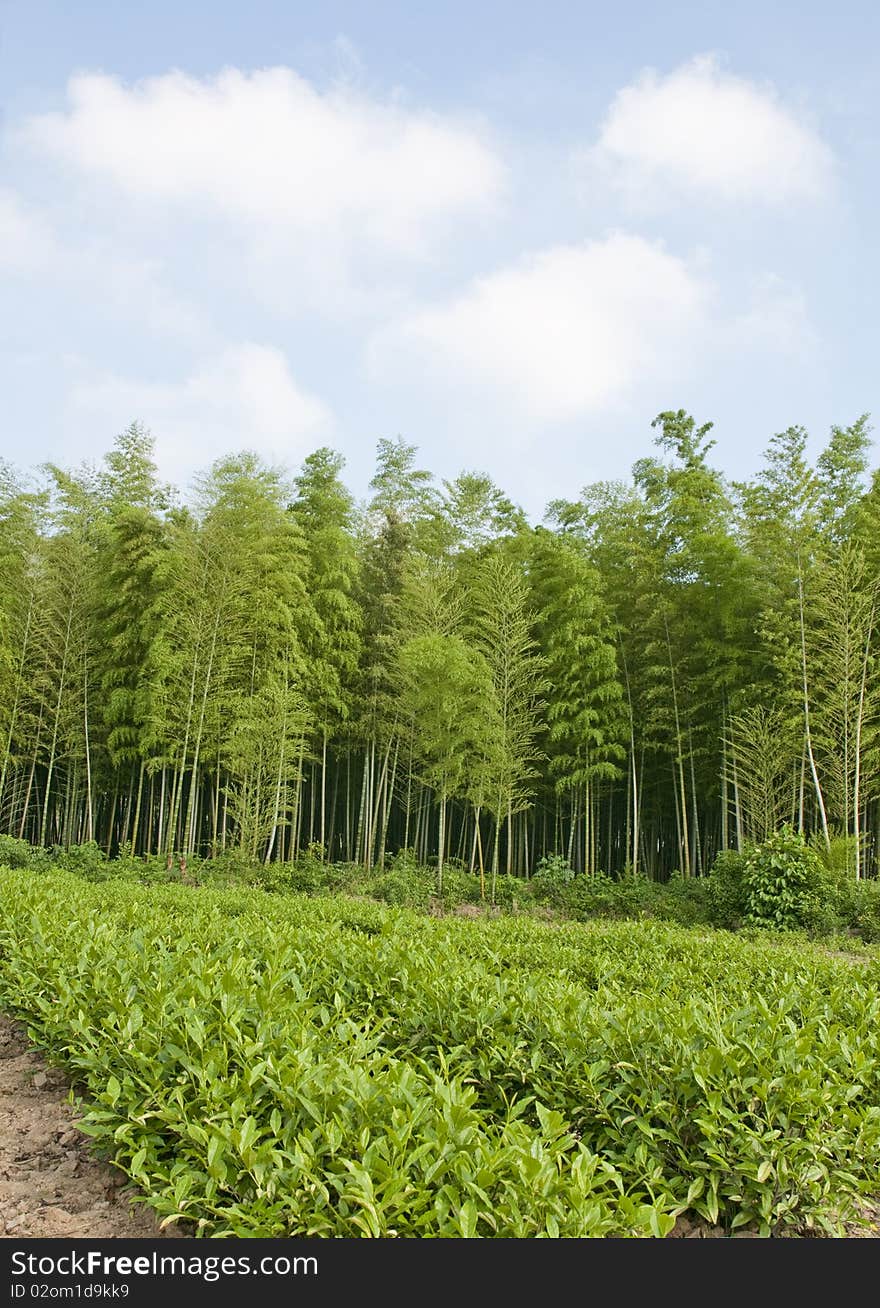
674	665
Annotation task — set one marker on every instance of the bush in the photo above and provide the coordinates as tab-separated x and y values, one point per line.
461	886
406	882
401	888
552	880
411	884
598	895
231	867
849	905
508	890
583	897
789	884
15	853
685	900
858	908
553	869
306	875
342	877
786	885
865	914
88	861
726	892
838	856
153	870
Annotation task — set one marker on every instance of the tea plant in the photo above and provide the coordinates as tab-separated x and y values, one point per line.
283	1066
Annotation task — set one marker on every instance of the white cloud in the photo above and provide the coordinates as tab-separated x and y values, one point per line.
99	277
701	131
179	214
562	334
269	151
244	398
26	241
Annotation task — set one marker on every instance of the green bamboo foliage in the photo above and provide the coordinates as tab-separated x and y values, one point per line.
586	716
66	683
673	666
448	698
263	754
762	748
843	637
19	549
501	630
324	512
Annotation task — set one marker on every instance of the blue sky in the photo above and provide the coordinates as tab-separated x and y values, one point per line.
511	233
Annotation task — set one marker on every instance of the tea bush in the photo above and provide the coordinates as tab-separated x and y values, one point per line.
290	1065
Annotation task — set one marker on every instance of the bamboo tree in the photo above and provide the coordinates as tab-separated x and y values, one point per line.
67	637
842	636
447	693
762	747
676	666
19	545
585	711
500	627
324	512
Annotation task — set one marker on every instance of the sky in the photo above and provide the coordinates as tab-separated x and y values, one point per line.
509	233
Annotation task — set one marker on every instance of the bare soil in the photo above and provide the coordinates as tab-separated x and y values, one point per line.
50	1184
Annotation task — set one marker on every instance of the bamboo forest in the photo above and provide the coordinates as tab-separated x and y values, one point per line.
667	667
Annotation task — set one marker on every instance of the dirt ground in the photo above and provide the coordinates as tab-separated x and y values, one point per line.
50	1186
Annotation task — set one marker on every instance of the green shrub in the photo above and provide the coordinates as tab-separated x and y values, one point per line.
585	897
309	869
88	860
318	1067
508	890
726	892
153	870
343	877
231	867
462	887
405	882
838	855
408	883
553	869
405	860
306	874
685	900
401	889
785	884
848	904
15	853
552	881
863	909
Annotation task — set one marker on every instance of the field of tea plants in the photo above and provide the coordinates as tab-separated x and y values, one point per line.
329	1067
